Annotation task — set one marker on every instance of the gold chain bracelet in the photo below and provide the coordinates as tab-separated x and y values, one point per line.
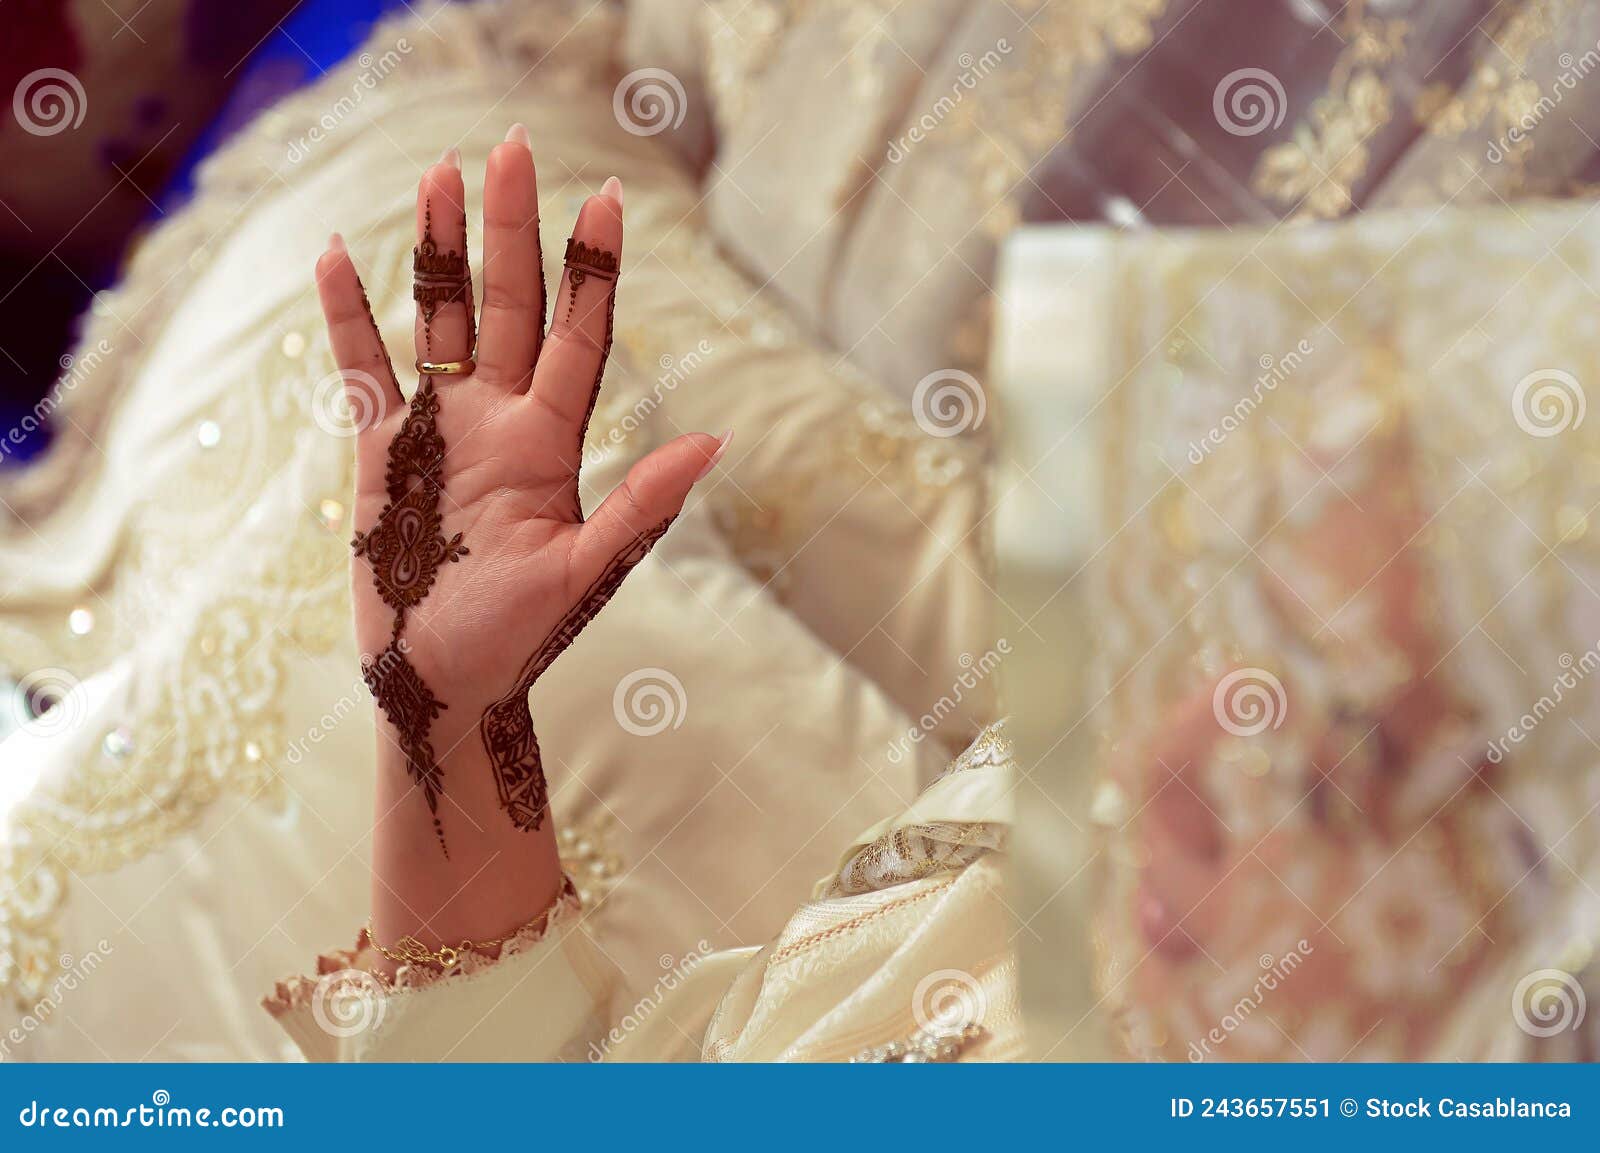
408	950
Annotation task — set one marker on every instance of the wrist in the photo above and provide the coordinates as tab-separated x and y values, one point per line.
494	877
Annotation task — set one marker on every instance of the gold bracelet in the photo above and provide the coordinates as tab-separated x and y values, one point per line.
410	951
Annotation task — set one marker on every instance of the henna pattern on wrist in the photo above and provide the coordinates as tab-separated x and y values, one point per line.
507	724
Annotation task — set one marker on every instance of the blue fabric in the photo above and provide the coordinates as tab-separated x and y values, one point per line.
313	38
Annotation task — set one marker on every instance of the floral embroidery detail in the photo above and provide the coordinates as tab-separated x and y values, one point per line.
1316	172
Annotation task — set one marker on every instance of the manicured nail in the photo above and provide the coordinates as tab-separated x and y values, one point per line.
612	188
722	447
452	157
336	243
518	134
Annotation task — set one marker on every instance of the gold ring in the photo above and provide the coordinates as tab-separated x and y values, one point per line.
447	367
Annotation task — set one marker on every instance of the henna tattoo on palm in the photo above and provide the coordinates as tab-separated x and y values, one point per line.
406	546
507	724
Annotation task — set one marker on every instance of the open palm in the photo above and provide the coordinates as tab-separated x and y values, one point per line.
510	568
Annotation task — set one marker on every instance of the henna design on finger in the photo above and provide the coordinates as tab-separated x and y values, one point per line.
544	304
378	336
507	724
582	261
440	278
405	548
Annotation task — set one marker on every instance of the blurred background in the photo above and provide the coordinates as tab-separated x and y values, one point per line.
171	81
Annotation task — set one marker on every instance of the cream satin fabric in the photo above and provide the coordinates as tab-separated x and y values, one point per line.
847	974
201	803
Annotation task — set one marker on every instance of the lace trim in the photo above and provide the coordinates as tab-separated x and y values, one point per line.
301	991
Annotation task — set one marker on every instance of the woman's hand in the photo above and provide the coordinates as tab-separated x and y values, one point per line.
477	567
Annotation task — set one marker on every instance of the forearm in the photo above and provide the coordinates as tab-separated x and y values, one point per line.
496	877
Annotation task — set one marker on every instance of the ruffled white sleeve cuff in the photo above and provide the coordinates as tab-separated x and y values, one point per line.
544	998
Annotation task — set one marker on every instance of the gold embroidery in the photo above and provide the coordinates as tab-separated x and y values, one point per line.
1314	173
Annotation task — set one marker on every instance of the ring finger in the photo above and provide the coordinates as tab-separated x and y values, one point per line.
442	280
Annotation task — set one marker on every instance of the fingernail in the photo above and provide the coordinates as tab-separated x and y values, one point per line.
452	157
612	188
336	243
518	134
722	447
